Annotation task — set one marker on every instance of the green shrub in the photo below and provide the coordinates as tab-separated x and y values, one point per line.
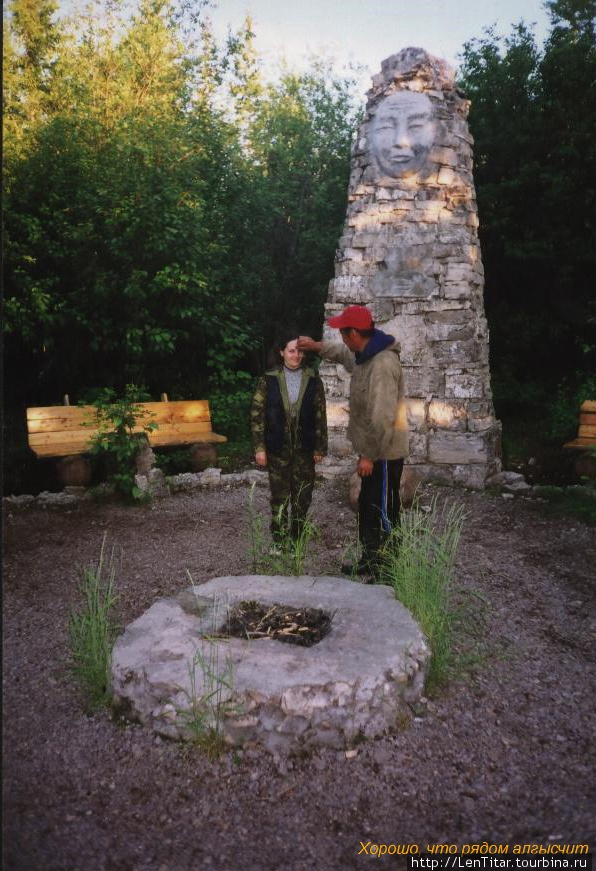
230	408
117	441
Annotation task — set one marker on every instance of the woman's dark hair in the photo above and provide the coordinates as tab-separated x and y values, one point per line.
285	337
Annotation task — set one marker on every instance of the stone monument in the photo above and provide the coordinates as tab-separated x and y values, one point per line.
410	252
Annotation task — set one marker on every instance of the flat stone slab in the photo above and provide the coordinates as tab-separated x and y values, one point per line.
353	683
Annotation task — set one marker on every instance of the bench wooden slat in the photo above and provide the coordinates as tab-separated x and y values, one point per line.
65	449
589	405
83	437
189	410
160	439
586	431
58	418
86	423
56	424
63	412
202	426
581	443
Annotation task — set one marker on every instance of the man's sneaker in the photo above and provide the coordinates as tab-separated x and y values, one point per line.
361	568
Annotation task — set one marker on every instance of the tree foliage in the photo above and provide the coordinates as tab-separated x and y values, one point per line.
168	209
532	116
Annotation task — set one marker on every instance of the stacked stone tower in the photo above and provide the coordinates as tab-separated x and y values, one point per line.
410	252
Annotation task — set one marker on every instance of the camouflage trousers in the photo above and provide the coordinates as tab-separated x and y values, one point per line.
291	481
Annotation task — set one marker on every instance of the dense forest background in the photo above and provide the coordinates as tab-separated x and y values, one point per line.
167	209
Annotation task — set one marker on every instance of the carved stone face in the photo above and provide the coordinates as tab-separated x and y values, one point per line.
402	133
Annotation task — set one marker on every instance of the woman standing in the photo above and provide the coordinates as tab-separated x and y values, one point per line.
289	429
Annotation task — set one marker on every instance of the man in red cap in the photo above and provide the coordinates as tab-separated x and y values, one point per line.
377	427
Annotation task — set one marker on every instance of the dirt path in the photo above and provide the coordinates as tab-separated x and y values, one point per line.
505	753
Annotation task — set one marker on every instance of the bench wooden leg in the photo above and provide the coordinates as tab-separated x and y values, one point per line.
202	456
74	471
585	465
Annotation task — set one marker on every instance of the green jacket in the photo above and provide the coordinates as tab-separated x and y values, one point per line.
302	427
378	426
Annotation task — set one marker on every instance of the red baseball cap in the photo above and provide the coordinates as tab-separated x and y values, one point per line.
356	316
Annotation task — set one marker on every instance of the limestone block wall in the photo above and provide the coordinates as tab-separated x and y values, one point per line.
410	252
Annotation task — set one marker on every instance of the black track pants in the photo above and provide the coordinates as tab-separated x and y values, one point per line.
378	506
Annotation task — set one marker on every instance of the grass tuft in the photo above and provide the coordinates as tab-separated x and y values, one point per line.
286	556
93	631
210	697
417	561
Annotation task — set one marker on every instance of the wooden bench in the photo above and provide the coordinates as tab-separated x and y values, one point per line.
586	439
67	430
586	434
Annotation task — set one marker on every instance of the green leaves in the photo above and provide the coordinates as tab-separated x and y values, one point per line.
167	210
531	117
117	440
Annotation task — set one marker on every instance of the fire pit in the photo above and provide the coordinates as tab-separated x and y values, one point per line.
253	621
356	660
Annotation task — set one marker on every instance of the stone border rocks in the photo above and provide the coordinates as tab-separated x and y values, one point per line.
508	483
154	485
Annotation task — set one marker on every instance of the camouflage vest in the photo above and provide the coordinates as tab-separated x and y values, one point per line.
278	422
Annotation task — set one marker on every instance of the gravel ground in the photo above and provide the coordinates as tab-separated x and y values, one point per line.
504	753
